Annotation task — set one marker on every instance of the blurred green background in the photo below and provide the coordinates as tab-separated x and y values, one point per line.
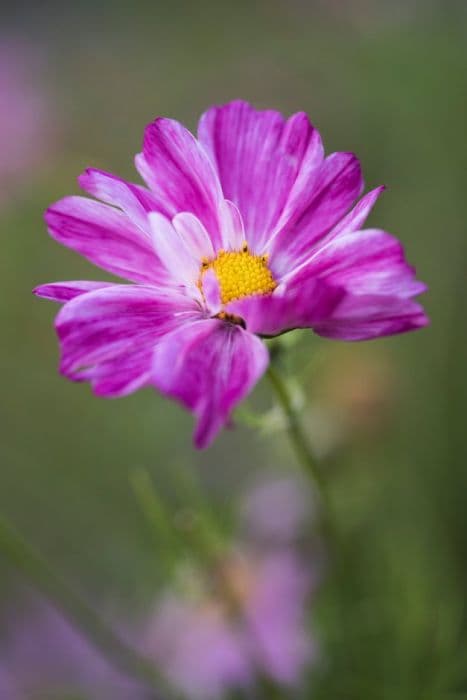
387	80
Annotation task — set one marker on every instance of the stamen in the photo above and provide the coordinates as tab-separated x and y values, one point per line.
240	274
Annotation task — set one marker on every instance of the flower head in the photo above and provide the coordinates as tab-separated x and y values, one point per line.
246	231
252	624
244	615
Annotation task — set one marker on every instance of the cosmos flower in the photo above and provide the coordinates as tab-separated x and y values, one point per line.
252	625
222	627
245	232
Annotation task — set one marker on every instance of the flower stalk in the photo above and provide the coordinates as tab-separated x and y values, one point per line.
298	439
302	447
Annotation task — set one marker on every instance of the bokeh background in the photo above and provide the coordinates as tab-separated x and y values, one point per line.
387	80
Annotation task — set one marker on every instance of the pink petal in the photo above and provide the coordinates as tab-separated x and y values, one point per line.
376	284
365	262
106	237
365	317
113	331
121	375
264	162
212	292
338	184
174	252
65	291
209	366
291	306
194	236
180	174
233	232
134	200
355	219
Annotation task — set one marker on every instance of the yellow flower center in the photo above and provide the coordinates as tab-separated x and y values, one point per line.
240	274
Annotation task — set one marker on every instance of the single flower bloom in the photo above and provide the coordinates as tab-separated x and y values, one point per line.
245	232
252	625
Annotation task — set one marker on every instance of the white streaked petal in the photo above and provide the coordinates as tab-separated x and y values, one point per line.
233	232
212	292
194	235
172	250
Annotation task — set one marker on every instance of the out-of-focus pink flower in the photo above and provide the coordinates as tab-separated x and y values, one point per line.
246	232
252	624
25	119
41	653
198	648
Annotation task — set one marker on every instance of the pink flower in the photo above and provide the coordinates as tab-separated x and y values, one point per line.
254	625
244	232
197	648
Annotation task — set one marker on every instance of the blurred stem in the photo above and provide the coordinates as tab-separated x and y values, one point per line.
158	518
207	529
297	435
301	444
201	535
32	565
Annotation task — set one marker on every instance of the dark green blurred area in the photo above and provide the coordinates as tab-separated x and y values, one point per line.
388	81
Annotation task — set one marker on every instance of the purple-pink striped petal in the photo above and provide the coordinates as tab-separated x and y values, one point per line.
134	200
212	292
372	316
175	253
65	291
209	366
106	237
180	174
369	269
233	230
355	219
364	262
114	330
194	236
264	162
298	305
338	185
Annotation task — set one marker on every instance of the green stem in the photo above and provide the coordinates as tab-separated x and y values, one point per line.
297	435
301	444
31	564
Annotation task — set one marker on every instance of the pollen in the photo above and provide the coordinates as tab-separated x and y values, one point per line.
240	274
